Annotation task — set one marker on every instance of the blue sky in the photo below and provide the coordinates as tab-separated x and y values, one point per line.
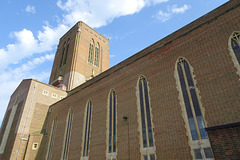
30	31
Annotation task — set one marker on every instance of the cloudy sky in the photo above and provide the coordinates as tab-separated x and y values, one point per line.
30	31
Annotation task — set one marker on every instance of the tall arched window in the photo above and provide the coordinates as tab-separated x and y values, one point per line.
111	126
145	121
189	96
234	47
63	52
51	139
86	131
67	135
91	50
96	59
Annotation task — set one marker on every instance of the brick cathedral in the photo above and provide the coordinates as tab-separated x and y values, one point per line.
176	99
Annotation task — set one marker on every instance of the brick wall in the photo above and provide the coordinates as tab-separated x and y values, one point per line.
204	43
225	141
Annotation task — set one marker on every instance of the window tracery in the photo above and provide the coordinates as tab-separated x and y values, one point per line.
200	145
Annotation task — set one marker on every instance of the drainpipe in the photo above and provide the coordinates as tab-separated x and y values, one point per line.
25	151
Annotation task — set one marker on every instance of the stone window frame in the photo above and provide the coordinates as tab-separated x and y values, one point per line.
112	95
35	146
67	134
231	52
54	95
94	53
200	144
146	152
51	139
44	92
86	132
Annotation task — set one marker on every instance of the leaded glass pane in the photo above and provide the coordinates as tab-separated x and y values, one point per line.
208	153
114	121
90	58
67	135
192	89
150	136
198	154
198	113
142	115
193	129
96	60
145	157
201	127
187	104
85	136
152	157
110	125
89	128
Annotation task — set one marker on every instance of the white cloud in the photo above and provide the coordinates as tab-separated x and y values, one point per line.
27	45
30	9
164	16
93	12
182	9
11	78
99	13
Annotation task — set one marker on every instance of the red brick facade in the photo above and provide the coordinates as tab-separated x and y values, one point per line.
203	44
225	141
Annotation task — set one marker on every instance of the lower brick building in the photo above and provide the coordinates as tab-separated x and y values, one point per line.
177	99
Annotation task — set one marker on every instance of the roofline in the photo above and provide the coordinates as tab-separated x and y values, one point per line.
203	20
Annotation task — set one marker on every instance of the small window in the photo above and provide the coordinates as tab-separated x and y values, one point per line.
35	146
45	92
61	97
54	95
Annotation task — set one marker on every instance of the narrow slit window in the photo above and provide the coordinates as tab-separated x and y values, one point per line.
147	138
192	108
91	50
111	126
63	52
87	131
67	135
66	53
51	139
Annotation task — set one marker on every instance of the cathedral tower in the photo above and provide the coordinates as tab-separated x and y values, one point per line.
82	54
